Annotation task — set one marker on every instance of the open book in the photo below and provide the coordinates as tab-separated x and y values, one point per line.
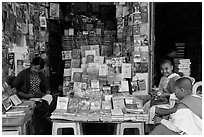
47	98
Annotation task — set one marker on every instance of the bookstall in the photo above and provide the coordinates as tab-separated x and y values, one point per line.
106	70
99	60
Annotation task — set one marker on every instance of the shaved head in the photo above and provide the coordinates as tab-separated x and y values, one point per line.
184	83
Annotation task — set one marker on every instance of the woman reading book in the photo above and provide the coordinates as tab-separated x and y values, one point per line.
31	83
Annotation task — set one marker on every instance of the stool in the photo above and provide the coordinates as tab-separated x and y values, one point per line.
58	125
139	126
80	129
117	129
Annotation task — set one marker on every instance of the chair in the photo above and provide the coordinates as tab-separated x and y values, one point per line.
195	90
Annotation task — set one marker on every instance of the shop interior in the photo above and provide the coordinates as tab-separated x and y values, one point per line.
167	26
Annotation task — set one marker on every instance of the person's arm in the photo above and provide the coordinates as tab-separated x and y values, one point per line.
45	84
178	117
26	95
169	123
161	84
162	111
18	83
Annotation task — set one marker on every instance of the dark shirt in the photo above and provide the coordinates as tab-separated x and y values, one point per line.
22	82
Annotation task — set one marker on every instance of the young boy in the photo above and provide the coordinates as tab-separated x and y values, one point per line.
166	84
188	117
166	88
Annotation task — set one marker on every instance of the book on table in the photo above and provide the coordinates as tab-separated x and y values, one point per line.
17	111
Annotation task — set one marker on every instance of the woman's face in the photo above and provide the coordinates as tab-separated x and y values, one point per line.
35	68
166	69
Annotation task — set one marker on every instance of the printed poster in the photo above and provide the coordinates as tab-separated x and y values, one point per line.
54	10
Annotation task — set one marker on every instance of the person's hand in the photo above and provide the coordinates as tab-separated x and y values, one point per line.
157	120
31	95
48	92
39	95
14	90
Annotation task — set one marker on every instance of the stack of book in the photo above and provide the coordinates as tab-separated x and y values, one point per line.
105	115
117	115
142	117
16	111
183	66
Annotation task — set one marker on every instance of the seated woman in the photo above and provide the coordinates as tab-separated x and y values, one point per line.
31	83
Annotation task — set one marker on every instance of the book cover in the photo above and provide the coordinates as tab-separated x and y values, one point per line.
98	59
66	81
90	59
43	21
83	86
16	101
77	76
103	69
136	56
71	32
7	104
84	104
124	86
114	89
77	86
67	63
75	63
19	65
126	70
106	104
94	83
76	53
116	112
62	102
117	49
11	60
85	78
93	68
118	103
67	72
83	60
73	71
104	51
96	48
144	29
73	103
118	61
90	52
83	49
54	10
95	105
66	55
134	86
142	84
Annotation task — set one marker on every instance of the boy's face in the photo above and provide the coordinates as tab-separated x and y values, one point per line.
179	92
166	69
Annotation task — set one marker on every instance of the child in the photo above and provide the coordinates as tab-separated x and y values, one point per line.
166	84
166	88
188	117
